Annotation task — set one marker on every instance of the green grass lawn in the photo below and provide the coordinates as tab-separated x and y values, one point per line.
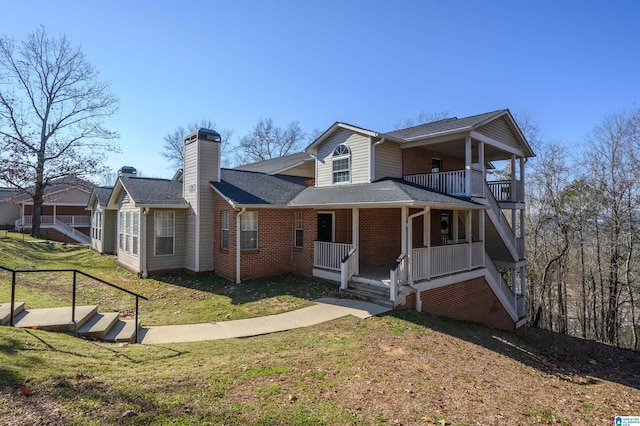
173	298
401	368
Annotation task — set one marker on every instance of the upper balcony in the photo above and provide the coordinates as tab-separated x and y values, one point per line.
469	183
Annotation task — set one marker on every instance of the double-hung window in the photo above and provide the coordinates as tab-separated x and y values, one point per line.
249	233
135	219
298	238
164	233
121	234
127	232
341	164
224	230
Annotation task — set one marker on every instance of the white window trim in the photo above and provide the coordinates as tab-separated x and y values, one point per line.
155	237
335	158
135	236
222	229
296	229
242	220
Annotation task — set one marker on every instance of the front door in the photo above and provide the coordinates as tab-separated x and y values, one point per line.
325	227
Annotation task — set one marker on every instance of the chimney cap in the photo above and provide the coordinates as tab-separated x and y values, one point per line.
203	134
127	170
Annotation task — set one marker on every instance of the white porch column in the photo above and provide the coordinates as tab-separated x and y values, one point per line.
426	229
514	287
481	160
513	178
481	217
404	240
467	164
355	236
54	213
468	237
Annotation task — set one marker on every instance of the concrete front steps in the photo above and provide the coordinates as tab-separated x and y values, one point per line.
89	322
370	292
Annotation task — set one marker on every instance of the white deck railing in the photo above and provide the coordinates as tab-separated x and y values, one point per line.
397	276
71	220
453	182
329	255
427	263
513	303
348	267
505	190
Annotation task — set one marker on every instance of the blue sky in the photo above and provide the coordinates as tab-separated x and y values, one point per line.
370	63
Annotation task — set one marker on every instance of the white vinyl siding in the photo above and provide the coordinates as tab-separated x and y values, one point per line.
167	262
224	231
358	145
500	131
125	238
249	233
388	161
164	223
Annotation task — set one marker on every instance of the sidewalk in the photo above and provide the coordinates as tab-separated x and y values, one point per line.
326	309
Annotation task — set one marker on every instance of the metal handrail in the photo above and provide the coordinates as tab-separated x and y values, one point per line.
73	297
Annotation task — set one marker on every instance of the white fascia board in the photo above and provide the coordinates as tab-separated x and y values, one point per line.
311	147
497	144
162	206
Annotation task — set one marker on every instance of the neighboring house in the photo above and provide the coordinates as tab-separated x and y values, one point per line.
101	219
64	216
406	217
9	211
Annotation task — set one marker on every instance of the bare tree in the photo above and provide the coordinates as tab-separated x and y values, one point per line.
269	141
423	117
52	107
173	148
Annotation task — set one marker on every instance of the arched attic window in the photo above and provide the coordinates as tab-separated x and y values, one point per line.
341	163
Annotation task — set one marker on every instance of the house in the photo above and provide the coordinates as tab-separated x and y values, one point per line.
9	211
64	216
407	217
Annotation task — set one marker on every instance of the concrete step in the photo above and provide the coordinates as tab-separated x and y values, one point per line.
55	319
378	290
98	325
122	331
370	297
5	311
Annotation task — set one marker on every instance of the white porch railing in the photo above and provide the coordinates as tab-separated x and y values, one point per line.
427	263
71	220
513	303
348	267
453	182
329	255
397	276
504	191
72	232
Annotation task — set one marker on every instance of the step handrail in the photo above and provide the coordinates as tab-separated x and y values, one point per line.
73	298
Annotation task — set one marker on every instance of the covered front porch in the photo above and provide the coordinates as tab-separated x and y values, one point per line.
392	248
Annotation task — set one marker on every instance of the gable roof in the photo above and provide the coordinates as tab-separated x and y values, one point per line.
64	184
384	192
8	193
248	188
149	192
339	125
100	193
278	164
447	125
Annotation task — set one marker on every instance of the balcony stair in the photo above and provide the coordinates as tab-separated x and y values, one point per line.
89	323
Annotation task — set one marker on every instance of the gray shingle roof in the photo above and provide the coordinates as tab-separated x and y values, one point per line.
277	164
59	185
252	188
103	193
385	191
6	193
152	191
446	125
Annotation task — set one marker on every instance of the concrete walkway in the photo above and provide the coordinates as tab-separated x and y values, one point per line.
326	309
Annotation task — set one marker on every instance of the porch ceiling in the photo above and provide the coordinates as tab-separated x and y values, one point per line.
456	148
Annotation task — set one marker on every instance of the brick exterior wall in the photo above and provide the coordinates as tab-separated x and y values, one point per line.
380	236
471	300
276	253
418	160
52	234
60	210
